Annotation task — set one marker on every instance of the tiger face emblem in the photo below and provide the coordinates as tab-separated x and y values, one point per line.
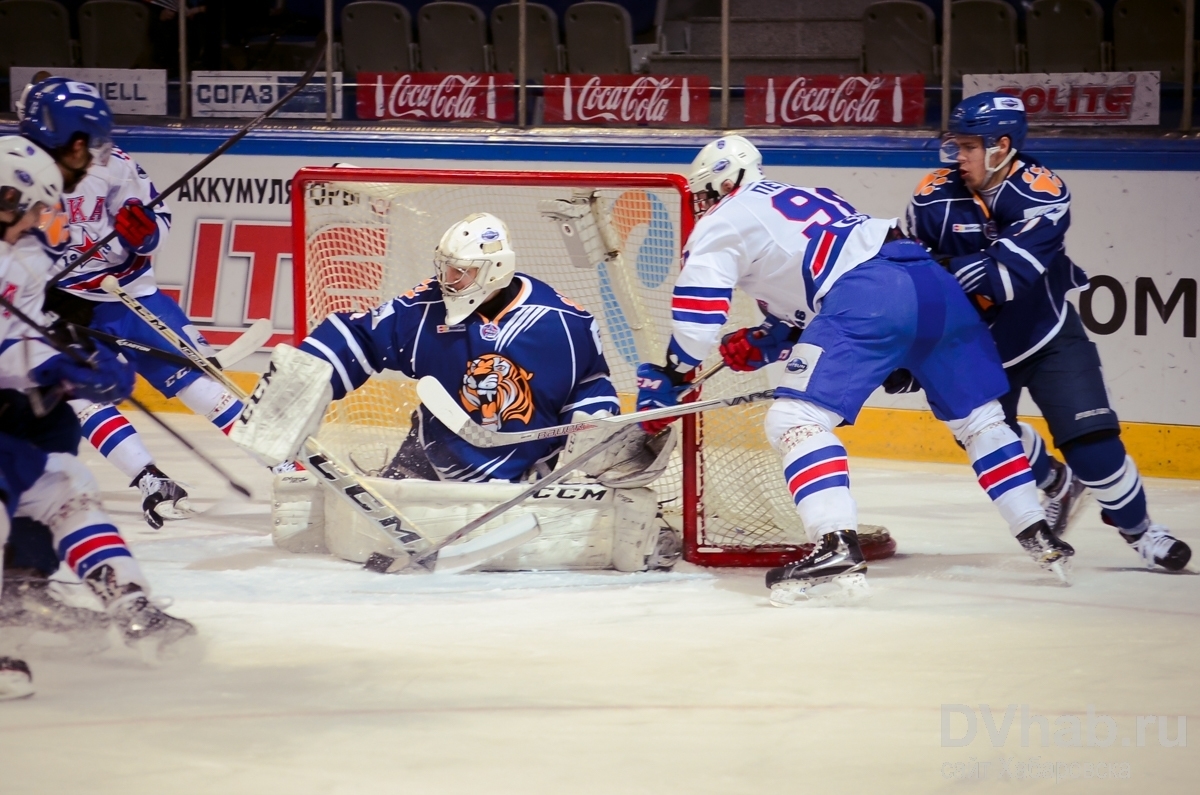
499	389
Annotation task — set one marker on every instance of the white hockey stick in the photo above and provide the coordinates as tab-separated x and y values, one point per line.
314	457
254	338
443	406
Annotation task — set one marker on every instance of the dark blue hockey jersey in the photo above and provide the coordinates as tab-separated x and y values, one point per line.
1012	258
531	366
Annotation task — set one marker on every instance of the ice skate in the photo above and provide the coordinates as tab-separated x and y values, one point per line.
143	626
1160	549
667	551
1063	499
28	602
833	573
162	498
15	679
1047	550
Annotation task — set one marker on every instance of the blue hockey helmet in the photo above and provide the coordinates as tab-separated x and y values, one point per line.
58	109
989	115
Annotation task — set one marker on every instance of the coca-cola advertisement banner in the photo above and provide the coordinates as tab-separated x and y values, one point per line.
1078	98
836	101
428	96
629	100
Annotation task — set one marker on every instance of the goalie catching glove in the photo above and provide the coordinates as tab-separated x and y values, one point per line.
749	349
286	407
636	461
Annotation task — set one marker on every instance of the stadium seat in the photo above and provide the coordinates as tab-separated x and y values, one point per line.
453	38
377	37
899	38
34	33
1065	36
598	39
115	34
544	54
1148	36
983	38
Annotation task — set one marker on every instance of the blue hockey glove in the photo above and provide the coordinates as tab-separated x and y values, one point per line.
659	387
749	349
103	379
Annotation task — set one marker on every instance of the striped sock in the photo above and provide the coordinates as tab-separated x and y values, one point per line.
818	476
1039	457
115	438
1114	480
89	546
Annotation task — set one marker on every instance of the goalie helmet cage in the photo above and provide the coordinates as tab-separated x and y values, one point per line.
608	241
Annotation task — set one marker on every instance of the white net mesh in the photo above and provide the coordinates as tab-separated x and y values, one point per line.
367	242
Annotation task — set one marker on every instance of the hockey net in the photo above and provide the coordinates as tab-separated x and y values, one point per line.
364	236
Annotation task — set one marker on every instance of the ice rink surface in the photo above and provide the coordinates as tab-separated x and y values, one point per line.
313	676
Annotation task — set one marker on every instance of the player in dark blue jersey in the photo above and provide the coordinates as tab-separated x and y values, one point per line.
998	222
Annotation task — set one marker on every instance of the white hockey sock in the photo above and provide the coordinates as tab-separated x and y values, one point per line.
1035	451
114	436
210	399
1000	465
818	476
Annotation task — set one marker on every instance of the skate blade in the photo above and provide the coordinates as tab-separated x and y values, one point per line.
15	684
1061	568
844	589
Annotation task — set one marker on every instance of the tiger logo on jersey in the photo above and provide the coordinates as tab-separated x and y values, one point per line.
499	389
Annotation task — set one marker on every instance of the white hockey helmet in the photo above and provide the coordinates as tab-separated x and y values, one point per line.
479	243
721	167
28	175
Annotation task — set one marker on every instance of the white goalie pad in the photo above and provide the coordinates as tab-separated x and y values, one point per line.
637	461
583	525
298	513
286	406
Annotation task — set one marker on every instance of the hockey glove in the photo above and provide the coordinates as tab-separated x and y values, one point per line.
900	382
102	379
749	349
659	387
137	227
972	278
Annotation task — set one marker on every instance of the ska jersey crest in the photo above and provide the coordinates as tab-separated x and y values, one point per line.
1043	180
932	181
498	389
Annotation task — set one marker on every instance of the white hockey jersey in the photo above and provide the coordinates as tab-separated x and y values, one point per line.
783	245
24	271
90	210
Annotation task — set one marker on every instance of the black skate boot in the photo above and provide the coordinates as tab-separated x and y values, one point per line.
1063	498
28	601
162	498
667	550
142	624
15	679
1047	550
835	572
1159	548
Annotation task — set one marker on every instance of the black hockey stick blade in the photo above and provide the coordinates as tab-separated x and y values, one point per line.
220	150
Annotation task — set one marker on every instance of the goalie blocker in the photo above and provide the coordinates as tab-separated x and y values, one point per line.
584	525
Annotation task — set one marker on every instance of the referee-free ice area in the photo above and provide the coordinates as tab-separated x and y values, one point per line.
314	676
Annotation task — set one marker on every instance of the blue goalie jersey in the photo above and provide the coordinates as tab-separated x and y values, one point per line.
531	366
1011	258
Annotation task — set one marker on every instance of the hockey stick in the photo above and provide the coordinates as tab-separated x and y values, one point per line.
560	473
321	462
77	358
253	339
196	169
446	409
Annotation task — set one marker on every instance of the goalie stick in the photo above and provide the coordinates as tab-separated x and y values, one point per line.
336	476
319	46
557	475
443	406
74	355
254	338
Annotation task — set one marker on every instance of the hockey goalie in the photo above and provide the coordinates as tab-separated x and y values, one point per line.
519	356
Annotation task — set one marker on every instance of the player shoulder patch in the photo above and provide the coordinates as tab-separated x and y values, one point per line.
1042	180
932	181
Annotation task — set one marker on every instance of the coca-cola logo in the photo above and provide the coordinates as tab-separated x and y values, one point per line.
644	101
853	101
453	97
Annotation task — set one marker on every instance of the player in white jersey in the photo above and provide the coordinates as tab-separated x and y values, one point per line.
104	189
519	356
49	485
863	302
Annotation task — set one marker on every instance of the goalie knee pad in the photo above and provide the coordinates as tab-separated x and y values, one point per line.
286	406
298	513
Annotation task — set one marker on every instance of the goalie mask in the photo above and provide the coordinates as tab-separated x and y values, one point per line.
732	160
473	261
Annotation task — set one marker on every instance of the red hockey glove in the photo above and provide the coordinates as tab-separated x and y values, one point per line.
749	349
137	226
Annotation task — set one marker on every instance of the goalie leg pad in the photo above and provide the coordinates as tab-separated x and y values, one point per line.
298	513
286	406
